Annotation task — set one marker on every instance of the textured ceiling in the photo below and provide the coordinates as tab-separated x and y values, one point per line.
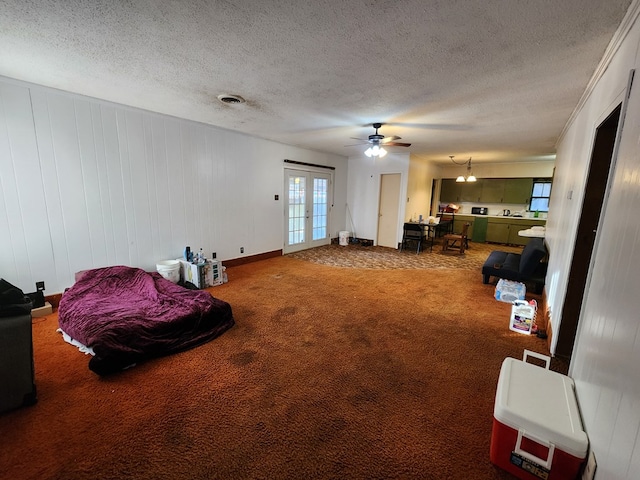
492	79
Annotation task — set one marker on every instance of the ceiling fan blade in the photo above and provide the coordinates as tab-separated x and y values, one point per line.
356	144
430	126
386	140
397	144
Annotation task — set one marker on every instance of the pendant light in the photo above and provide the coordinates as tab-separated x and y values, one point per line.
469	177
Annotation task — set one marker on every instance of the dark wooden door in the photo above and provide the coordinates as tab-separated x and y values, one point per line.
601	158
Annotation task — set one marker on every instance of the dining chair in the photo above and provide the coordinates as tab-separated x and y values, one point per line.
450	239
412	232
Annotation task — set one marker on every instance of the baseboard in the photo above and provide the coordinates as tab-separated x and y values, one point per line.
546	315
54	299
234	262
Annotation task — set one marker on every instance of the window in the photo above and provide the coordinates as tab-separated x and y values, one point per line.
540	195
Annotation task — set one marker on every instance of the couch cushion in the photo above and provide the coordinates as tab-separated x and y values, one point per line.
503	265
533	252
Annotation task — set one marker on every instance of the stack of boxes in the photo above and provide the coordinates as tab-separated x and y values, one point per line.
202	275
200	271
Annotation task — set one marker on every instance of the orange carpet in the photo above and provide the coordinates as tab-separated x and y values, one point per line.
329	373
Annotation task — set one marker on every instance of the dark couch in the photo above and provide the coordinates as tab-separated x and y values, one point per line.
526	267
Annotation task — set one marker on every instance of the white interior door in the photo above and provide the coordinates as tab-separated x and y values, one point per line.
307	209
388	210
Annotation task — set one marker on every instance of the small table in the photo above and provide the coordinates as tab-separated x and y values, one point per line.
431	230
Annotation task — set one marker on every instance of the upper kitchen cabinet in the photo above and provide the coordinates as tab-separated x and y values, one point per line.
517	190
487	190
452	191
492	190
471	191
449	191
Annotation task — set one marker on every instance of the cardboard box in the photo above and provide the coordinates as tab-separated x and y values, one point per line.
47	309
190	272
214	273
537	430
204	275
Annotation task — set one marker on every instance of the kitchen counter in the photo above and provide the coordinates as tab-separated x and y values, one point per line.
501	216
496	228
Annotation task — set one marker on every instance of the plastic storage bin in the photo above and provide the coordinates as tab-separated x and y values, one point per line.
169	269
537	431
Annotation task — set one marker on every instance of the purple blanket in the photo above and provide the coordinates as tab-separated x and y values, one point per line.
127	315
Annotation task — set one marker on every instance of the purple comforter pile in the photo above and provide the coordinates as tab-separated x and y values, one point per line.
127	315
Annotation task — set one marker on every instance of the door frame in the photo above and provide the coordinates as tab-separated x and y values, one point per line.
580	271
309	172
398	204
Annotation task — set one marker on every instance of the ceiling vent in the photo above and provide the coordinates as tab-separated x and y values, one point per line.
231	99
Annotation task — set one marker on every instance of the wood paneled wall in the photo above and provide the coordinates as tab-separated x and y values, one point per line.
87	183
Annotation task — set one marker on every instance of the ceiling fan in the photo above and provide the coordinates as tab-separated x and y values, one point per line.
377	141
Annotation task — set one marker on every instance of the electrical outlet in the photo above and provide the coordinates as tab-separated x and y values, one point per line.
241	249
39	286
590	469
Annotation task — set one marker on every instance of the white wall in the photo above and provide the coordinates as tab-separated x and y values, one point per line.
419	186
87	183
363	189
607	349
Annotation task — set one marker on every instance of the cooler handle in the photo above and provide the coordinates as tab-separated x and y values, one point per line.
539	356
530	456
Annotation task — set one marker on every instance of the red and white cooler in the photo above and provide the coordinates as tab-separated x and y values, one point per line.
537	430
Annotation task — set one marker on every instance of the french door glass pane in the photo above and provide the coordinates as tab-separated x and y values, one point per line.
297	195
320	208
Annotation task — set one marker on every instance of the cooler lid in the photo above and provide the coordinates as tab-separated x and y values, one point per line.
542	403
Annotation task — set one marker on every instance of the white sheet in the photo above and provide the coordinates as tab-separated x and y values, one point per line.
83	348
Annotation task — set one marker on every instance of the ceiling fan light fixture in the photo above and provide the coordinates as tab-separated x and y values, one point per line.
461	179
375	151
471	178
376	141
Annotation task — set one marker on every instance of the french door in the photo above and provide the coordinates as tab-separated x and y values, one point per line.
307	208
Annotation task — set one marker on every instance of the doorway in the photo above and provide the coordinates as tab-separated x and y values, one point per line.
388	210
594	196
307	208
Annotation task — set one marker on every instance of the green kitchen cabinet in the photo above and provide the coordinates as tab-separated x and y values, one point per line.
487	190
449	191
497	231
479	233
505	229
492	190
517	190
460	220
471	191
514	228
